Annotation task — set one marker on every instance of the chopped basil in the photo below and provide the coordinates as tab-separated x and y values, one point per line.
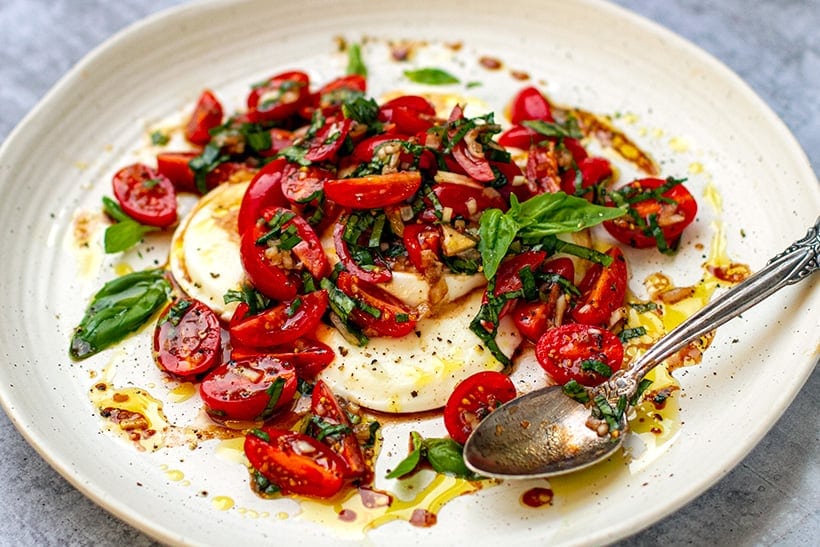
158	138
629	334
119	308
373	437
355	64
642	387
643	307
326	429
177	311
274	392
576	391
259	433
594	365
293	307
430	76
263	485
362	110
206	162
255	300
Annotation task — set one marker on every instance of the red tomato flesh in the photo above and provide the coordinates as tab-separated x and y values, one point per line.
146	195
472	399
373	191
281	324
207	115
323	404
575	352
602	291
187	339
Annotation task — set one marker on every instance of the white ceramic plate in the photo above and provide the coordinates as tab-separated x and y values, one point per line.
695	117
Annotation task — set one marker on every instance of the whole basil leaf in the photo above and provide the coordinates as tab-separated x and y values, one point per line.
119	308
409	464
445	456
568	129
355	64
496	233
431	76
124	235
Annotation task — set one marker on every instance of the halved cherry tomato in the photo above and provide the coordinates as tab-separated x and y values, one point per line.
602	291
279	140
519	136
584	353
146	195
174	165
373	191
594	169
279	97
207	115
530	104
296	463
282	323
264	190
410	114
375	273
309	357
328	140
508	278
473	399
394	317
324	405
302	185
248	390
335	93
532	318
187	339
423	244
562	266
672	212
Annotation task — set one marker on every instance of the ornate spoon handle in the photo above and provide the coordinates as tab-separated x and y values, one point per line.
797	262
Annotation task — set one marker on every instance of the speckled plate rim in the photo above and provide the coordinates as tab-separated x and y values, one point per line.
96	488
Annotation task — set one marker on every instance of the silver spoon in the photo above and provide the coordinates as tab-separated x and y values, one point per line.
546	433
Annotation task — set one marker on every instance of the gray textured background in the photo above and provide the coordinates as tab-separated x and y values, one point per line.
771	498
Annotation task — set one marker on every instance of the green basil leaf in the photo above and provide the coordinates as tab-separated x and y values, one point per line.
124	235
559	213
496	233
431	76
567	129
159	138
409	464
355	64
445	456
119	308
113	209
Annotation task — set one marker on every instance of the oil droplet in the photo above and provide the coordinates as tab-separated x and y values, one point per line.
630	118
657	132
175	475
282	515
182	392
695	168
678	144
713	197
122	268
222	503
232	450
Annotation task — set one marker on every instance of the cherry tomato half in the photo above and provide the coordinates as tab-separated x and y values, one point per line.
467	201
174	165
530	104
279	97
584	353
325	406
296	463
423	244
410	114
280	324
309	357
248	390
391	316
375	273
328	140
187	339
264	190
304	184
373	191
473	399
207	115
672	212
146	195
603	290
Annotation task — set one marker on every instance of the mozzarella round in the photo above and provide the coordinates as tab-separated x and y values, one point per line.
419	371
204	256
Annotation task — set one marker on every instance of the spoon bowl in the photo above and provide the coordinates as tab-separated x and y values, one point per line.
546	432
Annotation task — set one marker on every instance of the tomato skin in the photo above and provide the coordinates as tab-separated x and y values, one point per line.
542	168
238	390
187	342
323	403
268	278
280	324
387	324
380	273
278	98
602	291
174	165
264	190
562	350
472	399
423	244
531	319
593	170
328	140
207	115
373	191
308	357
519	136
295	462
146	195
309	250
410	114
683	212
302	185
530	104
